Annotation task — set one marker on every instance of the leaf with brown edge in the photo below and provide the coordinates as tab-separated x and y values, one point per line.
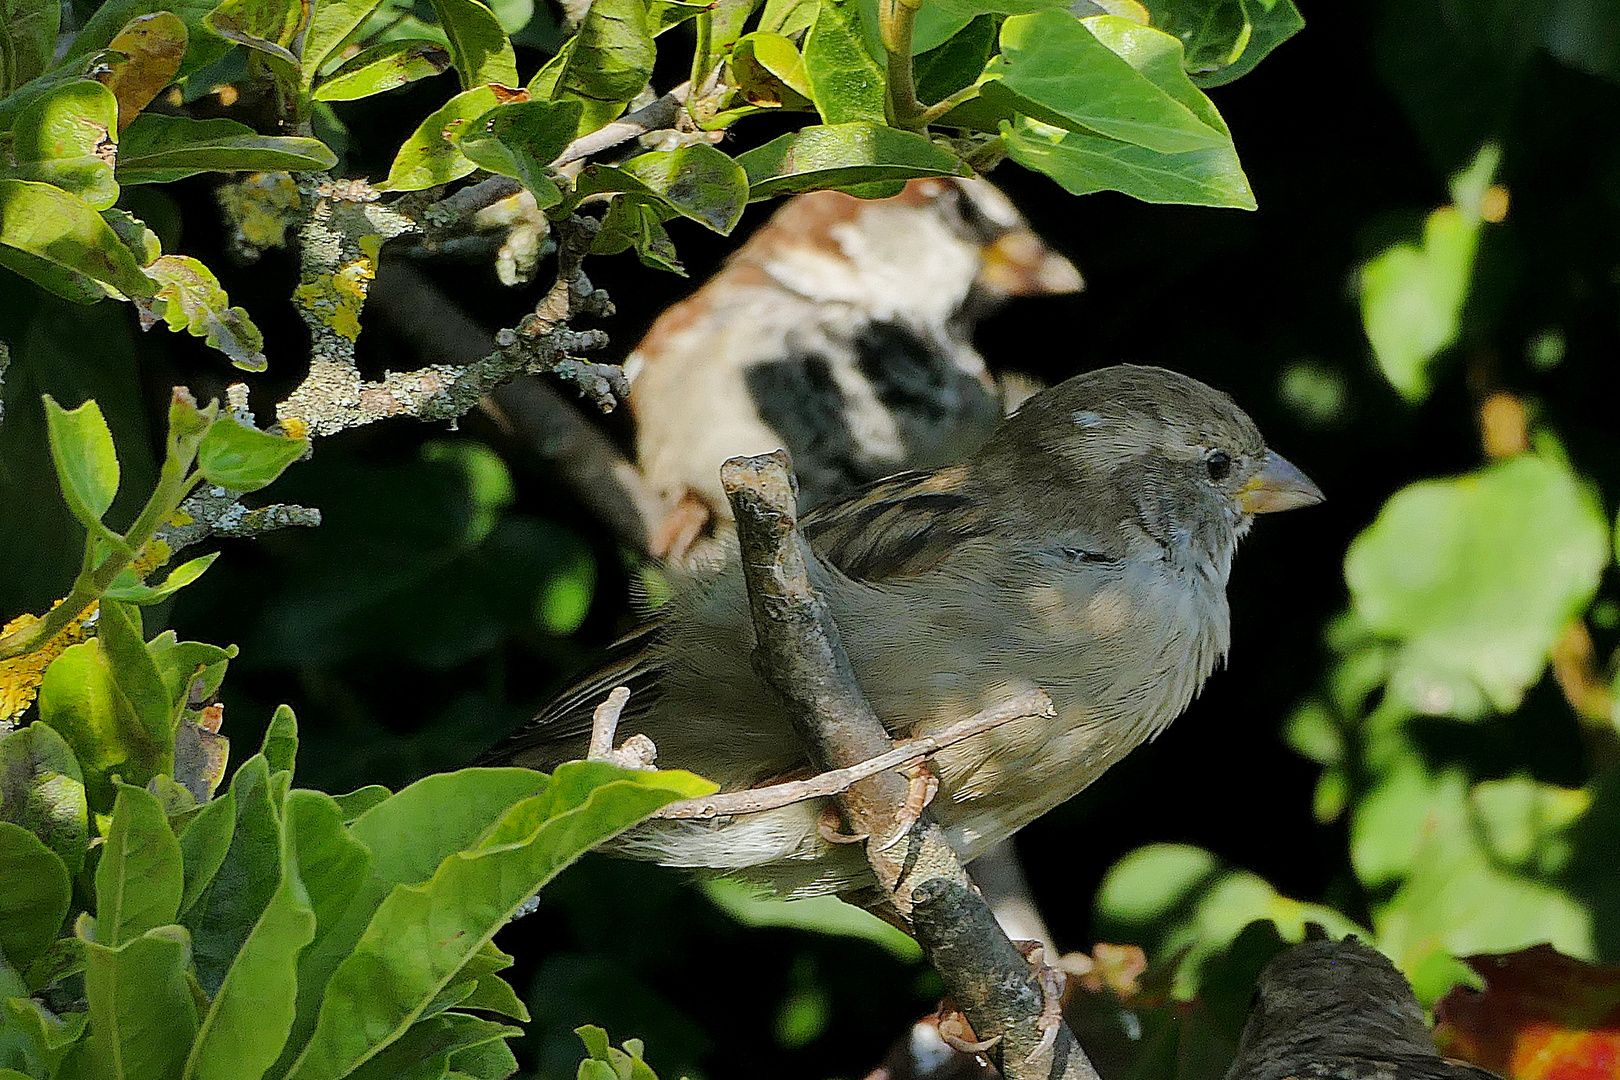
154	44
1541	1016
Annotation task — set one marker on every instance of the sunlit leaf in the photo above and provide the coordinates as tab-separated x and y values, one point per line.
48	223
770	71
846	83
478	46
697	182
66	137
331	23
141	1005
428	156
382	68
423	934
243	458
154	44
138	878
86	462
521	139
130	588
1084	163
612	55
842	155
189	298
158	149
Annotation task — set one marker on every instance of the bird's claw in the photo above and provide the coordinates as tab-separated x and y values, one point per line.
1052	982
829	828
921	787
956	1033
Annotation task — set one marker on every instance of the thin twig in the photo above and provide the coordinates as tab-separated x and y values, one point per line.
605	723
838	781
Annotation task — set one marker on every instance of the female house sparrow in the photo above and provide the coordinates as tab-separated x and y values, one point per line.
1337	1010
840	331
1084	550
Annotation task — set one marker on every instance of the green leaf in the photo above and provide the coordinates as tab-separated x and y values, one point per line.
1174	898
68	137
490	993
1270	22
82	702
142	1012
42	789
230	905
846	83
252	1015
51	1037
478	46
384	67
203	846
242	458
788	17
426	1049
429	157
142	685
190	669
139	878
157	149
665	15
28	30
630	223
268	27
421	935
769	71
1057	71
1083	164
360	800
842	155
521	139
48	223
955	64
697	182
612	55
1412	295
331	23
1478	576
611	1062
127	587
86	463
54	279
280	748
35	893
189	297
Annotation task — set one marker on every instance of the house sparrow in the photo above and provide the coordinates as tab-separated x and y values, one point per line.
1084	551
840	330
1337	1010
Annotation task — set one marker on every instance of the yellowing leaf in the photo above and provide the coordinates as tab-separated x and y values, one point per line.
155	44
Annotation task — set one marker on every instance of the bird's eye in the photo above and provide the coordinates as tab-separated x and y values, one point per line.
1219	464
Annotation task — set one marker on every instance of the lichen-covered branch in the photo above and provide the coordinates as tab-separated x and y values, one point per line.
340	242
920	877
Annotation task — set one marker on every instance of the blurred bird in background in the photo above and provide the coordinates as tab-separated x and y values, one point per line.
1337	1010
842	331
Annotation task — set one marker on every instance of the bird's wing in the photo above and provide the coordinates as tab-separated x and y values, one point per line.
897	527
552	735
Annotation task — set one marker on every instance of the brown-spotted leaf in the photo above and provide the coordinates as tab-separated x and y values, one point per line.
1542	1016
154	44
189	297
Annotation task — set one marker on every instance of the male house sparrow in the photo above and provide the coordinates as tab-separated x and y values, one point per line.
841	331
1084	550
1337	1010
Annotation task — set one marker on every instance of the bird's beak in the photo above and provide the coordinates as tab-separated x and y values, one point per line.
1020	264
1277	486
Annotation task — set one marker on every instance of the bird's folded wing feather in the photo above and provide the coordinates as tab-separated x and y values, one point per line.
897	527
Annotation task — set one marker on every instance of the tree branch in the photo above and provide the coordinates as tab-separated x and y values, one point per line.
800	653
